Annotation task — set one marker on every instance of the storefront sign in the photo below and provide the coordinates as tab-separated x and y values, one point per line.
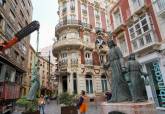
159	84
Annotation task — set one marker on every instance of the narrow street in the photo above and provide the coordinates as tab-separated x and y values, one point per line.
53	108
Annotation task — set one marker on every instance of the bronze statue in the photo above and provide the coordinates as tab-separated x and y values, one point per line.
120	89
136	82
35	83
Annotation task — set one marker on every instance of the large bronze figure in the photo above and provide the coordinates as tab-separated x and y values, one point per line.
120	89
35	84
136	81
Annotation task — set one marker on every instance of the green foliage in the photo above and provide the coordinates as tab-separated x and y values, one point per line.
30	106
67	99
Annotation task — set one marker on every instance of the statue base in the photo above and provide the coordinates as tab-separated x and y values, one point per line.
129	108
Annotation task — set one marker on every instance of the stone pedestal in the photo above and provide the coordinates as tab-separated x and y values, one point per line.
129	108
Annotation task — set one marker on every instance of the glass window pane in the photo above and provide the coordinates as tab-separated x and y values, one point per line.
145	28
138	32
148	38
91	86
144	22
102	83
134	43
106	87
137	26
141	42
87	86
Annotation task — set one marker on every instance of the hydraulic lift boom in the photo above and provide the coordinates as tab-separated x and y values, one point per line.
20	35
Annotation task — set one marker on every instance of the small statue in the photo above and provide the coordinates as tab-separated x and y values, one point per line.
136	81
35	84
120	89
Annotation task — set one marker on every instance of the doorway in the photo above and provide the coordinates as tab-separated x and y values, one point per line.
64	83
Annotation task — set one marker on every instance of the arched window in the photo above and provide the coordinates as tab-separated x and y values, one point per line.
89	84
104	83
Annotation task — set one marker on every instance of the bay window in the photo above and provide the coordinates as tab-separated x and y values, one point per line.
141	33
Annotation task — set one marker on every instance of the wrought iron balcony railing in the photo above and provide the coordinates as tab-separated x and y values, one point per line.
72	22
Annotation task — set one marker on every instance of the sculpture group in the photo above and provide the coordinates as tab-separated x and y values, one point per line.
120	90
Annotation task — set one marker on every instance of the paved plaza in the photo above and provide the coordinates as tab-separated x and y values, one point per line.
54	108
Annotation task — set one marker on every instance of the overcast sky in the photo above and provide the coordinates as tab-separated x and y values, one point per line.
45	11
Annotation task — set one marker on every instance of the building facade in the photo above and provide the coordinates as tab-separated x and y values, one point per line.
137	27
14	15
79	63
45	78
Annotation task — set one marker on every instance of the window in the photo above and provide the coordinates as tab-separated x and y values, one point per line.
89	84
104	83
117	18
136	3
88	58
84	20
23	3
9	31
72	17
160	5
72	5
64	10
122	44
22	47
74	58
97	14
12	15
74	83
84	8
98	24
19	26
21	13
16	2
102	59
29	3
64	59
141	32
28	12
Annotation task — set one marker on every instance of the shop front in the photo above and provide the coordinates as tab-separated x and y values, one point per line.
153	65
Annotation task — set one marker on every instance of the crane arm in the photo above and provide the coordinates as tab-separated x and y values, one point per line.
20	35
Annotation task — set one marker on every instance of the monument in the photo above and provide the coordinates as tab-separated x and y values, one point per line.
125	100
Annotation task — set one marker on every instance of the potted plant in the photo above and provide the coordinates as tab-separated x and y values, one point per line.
29	107
67	102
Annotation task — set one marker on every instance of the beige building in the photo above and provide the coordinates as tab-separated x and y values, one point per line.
79	63
43	71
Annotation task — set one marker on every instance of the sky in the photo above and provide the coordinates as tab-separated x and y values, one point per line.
45	11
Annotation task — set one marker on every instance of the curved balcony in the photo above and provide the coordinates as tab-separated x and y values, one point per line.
71	23
74	43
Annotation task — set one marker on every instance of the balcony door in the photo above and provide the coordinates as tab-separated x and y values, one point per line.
64	83
89	84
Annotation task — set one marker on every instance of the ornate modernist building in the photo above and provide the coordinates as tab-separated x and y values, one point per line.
79	63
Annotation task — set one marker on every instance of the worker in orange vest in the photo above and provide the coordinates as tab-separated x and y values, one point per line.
83	103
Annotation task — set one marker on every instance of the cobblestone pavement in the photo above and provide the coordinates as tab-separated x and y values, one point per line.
53	108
